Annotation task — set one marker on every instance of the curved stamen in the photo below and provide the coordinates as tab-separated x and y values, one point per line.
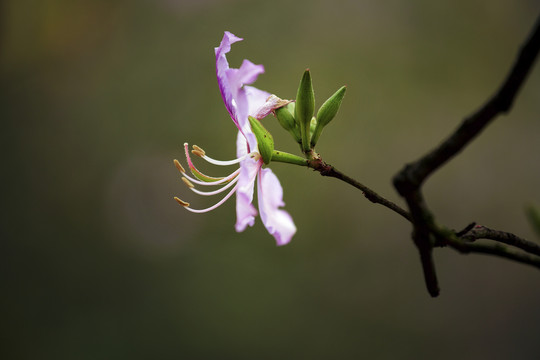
196	172
189	179
224	163
209	193
219	203
219	182
202	154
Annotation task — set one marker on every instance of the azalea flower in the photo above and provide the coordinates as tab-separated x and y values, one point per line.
241	101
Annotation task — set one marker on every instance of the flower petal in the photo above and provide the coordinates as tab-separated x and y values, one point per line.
278	222
222	65
245	211
240	100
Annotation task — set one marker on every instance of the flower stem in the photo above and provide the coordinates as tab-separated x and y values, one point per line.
282	156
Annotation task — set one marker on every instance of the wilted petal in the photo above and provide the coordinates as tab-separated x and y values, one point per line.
278	222
259	101
245	211
271	103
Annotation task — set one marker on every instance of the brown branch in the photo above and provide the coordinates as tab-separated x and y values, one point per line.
409	180
497	250
317	164
465	244
482	232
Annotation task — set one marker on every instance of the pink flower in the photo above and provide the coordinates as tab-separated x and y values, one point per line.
241	101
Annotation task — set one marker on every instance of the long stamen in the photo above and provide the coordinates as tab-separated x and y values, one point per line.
219	182
204	183
201	153
219	203
196	172
209	193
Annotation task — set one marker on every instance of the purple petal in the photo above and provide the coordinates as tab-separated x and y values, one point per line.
240	100
278	222
245	211
222	65
246	75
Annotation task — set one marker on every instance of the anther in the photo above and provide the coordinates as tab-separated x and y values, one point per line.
198	151
179	166
181	202
187	182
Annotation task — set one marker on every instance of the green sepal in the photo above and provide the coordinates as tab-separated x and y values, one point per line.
265	141
305	107
282	156
327	112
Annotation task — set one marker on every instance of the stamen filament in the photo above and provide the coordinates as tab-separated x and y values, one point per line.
219	203
209	193
218	182
224	163
196	172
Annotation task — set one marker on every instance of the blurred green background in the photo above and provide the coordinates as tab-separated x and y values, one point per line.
97	98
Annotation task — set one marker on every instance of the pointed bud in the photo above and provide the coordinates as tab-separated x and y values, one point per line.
327	112
265	141
305	106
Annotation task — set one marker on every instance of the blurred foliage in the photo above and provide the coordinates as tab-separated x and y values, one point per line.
534	218
97	98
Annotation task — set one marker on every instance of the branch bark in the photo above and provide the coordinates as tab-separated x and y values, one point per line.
408	182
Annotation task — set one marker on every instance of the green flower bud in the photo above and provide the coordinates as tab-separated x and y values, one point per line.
287	121
312	125
327	112
265	141
305	107
285	118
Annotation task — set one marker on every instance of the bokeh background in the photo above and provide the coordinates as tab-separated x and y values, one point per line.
98	261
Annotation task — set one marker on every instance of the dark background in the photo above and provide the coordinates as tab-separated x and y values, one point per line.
98	261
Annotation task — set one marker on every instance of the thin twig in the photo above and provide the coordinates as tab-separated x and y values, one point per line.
328	170
482	232
409	180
